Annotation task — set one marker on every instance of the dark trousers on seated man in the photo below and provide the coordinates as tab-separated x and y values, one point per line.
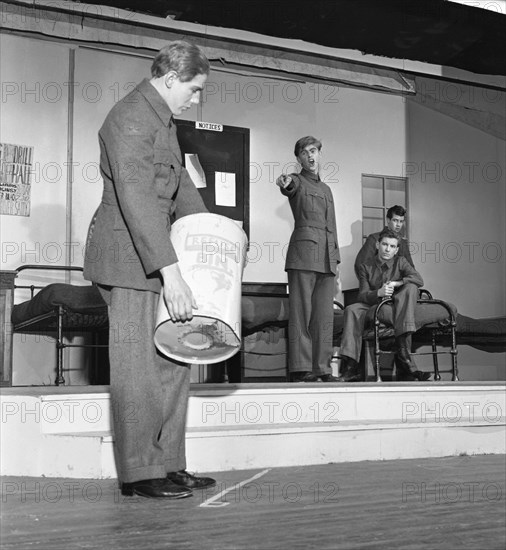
386	276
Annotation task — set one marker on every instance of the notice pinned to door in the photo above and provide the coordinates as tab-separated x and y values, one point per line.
224	183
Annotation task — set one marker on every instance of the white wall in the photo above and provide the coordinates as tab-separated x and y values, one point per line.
34	113
457	188
368	130
361	132
101	79
458	208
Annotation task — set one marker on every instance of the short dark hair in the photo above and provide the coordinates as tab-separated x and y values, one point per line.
388	234
186	59
396	210
303	142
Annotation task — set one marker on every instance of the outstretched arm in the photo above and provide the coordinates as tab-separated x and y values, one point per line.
288	184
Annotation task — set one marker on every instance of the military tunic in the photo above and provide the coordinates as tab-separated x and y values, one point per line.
313	245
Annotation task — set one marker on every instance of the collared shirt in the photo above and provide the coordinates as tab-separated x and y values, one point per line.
374	274
369	251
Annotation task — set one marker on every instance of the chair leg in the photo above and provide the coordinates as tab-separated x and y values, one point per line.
377	349
437	376
455	372
367	358
377	355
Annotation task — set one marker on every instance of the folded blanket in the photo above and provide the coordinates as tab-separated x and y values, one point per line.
78	299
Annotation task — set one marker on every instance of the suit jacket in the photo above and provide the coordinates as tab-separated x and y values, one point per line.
369	251
313	245
145	189
373	274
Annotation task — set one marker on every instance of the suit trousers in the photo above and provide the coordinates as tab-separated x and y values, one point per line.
149	393
358	316
311	320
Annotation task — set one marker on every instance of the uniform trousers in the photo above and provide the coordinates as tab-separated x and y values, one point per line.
357	316
311	320
149	393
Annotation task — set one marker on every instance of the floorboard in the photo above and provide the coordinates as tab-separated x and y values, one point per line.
448	503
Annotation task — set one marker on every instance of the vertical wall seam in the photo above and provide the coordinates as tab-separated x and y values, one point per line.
70	158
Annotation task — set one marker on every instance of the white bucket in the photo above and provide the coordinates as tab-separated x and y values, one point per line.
211	251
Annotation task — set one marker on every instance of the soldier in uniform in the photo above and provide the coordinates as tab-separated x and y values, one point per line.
130	257
311	265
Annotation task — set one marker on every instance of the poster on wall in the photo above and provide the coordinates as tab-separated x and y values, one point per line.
16	169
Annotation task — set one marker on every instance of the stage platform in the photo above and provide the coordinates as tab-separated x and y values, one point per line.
66	432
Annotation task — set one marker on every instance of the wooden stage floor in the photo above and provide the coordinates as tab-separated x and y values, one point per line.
448	503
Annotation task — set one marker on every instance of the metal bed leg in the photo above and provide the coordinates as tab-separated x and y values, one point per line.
453	351
60	345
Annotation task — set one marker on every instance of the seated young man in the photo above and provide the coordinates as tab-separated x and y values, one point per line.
387	275
396	218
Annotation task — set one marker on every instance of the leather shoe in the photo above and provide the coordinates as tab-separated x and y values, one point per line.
303	376
407	370
329	378
403	375
190	481
155	488
350	370
419	375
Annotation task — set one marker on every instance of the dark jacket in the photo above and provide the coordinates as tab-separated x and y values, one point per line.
145	188
369	251
373	274
313	245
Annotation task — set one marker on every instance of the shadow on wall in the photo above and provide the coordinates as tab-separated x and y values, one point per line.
348	255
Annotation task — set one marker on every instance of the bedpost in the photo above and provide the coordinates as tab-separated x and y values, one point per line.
6	302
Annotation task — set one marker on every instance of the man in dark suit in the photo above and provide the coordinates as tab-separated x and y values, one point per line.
396	218
130	256
311	264
387	275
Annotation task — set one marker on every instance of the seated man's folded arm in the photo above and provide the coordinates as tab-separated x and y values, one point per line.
366	294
